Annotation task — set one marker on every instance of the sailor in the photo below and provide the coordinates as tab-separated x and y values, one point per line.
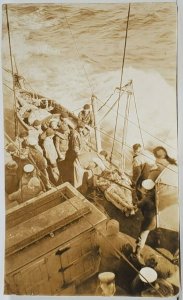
163	266
11	179
28	173
51	153
107	286
148	209
86	166
142	163
19	155
110	247
34	139
162	161
21	140
86	116
36	130
62	141
160	288
127	271
28	191
64	120
142	280
39	160
11	152
54	124
78	140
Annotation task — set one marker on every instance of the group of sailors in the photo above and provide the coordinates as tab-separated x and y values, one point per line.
33	167
37	152
121	273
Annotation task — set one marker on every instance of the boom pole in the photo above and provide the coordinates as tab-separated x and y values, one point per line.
96	124
125	127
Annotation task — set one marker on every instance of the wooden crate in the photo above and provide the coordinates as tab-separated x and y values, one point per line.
40	264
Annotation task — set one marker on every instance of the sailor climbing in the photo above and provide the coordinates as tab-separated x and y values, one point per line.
147	206
142	163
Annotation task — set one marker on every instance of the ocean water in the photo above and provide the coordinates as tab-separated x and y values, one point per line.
69	52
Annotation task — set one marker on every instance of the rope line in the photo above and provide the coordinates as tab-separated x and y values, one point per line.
130	121
138	120
122	68
124	136
128	146
105	115
77	50
12	70
121	255
93	226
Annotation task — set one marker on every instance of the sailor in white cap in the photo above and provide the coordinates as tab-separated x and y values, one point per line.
143	162
148	209
28	173
28	191
107	286
141	282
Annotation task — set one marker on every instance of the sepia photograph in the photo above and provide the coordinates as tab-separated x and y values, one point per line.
90	149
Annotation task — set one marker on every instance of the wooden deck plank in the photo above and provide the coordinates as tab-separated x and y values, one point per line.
80	227
37	227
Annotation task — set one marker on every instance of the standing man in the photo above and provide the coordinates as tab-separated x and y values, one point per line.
110	247
148	208
62	141
39	160
78	139
51	153
142	164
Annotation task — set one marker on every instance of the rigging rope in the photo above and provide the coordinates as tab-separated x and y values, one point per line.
130	121
122	68
137	116
125	127
142	129
121	255
110	109
128	146
82	64
12	70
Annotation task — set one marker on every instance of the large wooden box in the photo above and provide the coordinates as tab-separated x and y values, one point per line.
50	243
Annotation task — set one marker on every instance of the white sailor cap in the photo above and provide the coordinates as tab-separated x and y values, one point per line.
28	168
148	184
32	141
106	277
148	275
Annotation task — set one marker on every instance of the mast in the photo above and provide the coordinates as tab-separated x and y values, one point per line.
96	124
12	69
